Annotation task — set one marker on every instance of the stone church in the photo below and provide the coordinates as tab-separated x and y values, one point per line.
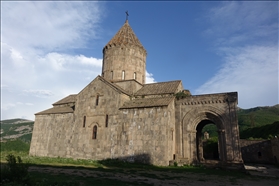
118	116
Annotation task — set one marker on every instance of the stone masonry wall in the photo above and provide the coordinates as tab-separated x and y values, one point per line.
128	58
109	99
257	151
52	135
218	108
145	135
275	149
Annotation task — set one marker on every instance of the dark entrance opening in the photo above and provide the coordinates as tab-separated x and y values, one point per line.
207	141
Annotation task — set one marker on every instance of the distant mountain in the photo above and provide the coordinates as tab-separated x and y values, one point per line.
16	128
258	116
15	121
262	132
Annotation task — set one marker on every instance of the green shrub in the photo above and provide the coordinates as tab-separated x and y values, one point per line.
15	171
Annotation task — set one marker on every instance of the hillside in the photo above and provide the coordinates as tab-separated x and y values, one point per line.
258	116
263	132
250	118
16	128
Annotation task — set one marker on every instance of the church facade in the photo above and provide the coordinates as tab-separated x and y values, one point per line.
118	116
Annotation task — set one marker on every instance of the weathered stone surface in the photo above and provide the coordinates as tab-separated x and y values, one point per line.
121	117
260	151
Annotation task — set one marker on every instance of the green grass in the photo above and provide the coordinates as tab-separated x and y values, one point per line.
104	171
15	145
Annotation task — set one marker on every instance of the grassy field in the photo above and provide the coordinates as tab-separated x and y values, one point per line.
46	171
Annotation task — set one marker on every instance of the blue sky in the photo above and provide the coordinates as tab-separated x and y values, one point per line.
52	49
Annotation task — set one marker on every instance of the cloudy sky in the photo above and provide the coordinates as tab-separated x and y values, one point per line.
52	49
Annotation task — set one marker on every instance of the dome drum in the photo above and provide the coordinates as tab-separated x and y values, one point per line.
124	58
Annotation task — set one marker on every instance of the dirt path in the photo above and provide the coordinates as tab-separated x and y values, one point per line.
158	178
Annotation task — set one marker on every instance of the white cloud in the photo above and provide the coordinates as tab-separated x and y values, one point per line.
149	78
49	25
90	61
7	106
60	61
239	21
251	71
37	64
39	93
245	35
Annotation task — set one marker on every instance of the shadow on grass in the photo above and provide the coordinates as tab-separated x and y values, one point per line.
122	171
58	175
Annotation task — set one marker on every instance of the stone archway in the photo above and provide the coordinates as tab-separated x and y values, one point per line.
192	124
200	144
193	112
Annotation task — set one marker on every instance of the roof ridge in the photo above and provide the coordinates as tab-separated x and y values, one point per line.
114	86
168	87
147	102
67	98
163	82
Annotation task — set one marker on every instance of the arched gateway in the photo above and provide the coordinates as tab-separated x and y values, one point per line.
195	112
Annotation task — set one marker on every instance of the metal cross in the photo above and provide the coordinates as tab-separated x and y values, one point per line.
127	15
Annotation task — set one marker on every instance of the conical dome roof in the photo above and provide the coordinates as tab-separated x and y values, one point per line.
125	36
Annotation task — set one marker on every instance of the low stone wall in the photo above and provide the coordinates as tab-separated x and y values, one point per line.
275	149
259	151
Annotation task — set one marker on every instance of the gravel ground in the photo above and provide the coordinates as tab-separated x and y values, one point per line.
157	178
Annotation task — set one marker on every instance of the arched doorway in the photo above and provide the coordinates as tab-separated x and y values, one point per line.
203	119
192	139
193	113
207	141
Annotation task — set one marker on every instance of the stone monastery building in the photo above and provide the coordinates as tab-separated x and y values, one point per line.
118	116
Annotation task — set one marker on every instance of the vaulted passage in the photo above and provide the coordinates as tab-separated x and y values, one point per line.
207	141
213	151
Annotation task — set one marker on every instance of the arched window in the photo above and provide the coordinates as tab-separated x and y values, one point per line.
135	75
123	75
84	121
106	120
94	136
111	73
97	100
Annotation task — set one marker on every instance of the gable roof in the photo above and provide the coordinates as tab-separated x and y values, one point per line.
169	87
69	99
147	102
56	110
114	86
